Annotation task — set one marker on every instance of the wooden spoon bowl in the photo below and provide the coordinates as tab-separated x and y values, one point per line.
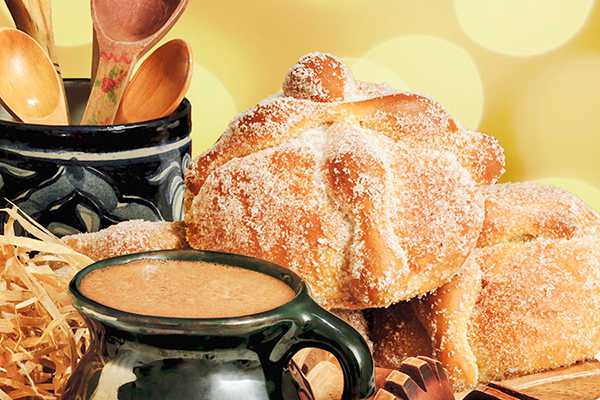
159	85
136	20
30	88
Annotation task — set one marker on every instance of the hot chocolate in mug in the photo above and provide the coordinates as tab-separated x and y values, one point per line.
138	356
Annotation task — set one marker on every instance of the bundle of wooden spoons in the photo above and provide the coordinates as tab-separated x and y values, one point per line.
31	88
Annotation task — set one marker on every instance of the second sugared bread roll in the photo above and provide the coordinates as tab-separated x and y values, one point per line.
370	200
526	300
521	212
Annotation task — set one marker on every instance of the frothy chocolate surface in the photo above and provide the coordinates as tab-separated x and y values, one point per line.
185	289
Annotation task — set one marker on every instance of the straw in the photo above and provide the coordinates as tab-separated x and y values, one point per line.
42	337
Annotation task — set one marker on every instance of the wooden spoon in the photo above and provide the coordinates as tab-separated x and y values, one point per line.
34	17
30	88
125	30
159	85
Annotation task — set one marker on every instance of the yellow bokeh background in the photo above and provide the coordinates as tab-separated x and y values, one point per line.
525	71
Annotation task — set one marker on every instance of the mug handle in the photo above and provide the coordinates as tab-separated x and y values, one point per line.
316	327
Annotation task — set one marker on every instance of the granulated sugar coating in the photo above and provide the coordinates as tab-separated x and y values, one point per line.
129	237
372	200
319	77
268	124
535	278
422	122
539	306
525	211
366	220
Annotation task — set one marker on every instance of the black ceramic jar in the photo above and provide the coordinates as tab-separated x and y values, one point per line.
83	178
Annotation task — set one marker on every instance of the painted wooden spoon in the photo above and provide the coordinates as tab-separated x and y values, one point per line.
30	88
159	84
125	30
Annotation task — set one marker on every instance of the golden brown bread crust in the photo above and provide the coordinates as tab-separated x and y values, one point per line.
525	211
529	315
405	116
273	188
402	116
365	220
266	125
420	121
428	225
446	316
319	77
129	237
539	306
436	325
537	288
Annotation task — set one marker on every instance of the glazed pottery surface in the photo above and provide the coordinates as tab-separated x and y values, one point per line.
84	178
142	357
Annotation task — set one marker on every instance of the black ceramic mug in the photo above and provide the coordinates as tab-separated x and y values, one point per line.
145	357
77	178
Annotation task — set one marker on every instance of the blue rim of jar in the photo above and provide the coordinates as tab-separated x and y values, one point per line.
133	322
100	138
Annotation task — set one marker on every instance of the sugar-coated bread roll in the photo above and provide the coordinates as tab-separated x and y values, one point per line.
369	194
518	212
527	299
129	237
539	306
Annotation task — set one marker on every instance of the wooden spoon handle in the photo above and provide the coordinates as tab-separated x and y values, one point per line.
114	70
46	9
95	56
28	18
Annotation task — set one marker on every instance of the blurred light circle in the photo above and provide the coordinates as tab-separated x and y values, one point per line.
369	71
586	191
438	68
212	108
557	121
72	22
521	27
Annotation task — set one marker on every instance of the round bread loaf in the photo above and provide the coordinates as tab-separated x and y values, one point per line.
370	195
